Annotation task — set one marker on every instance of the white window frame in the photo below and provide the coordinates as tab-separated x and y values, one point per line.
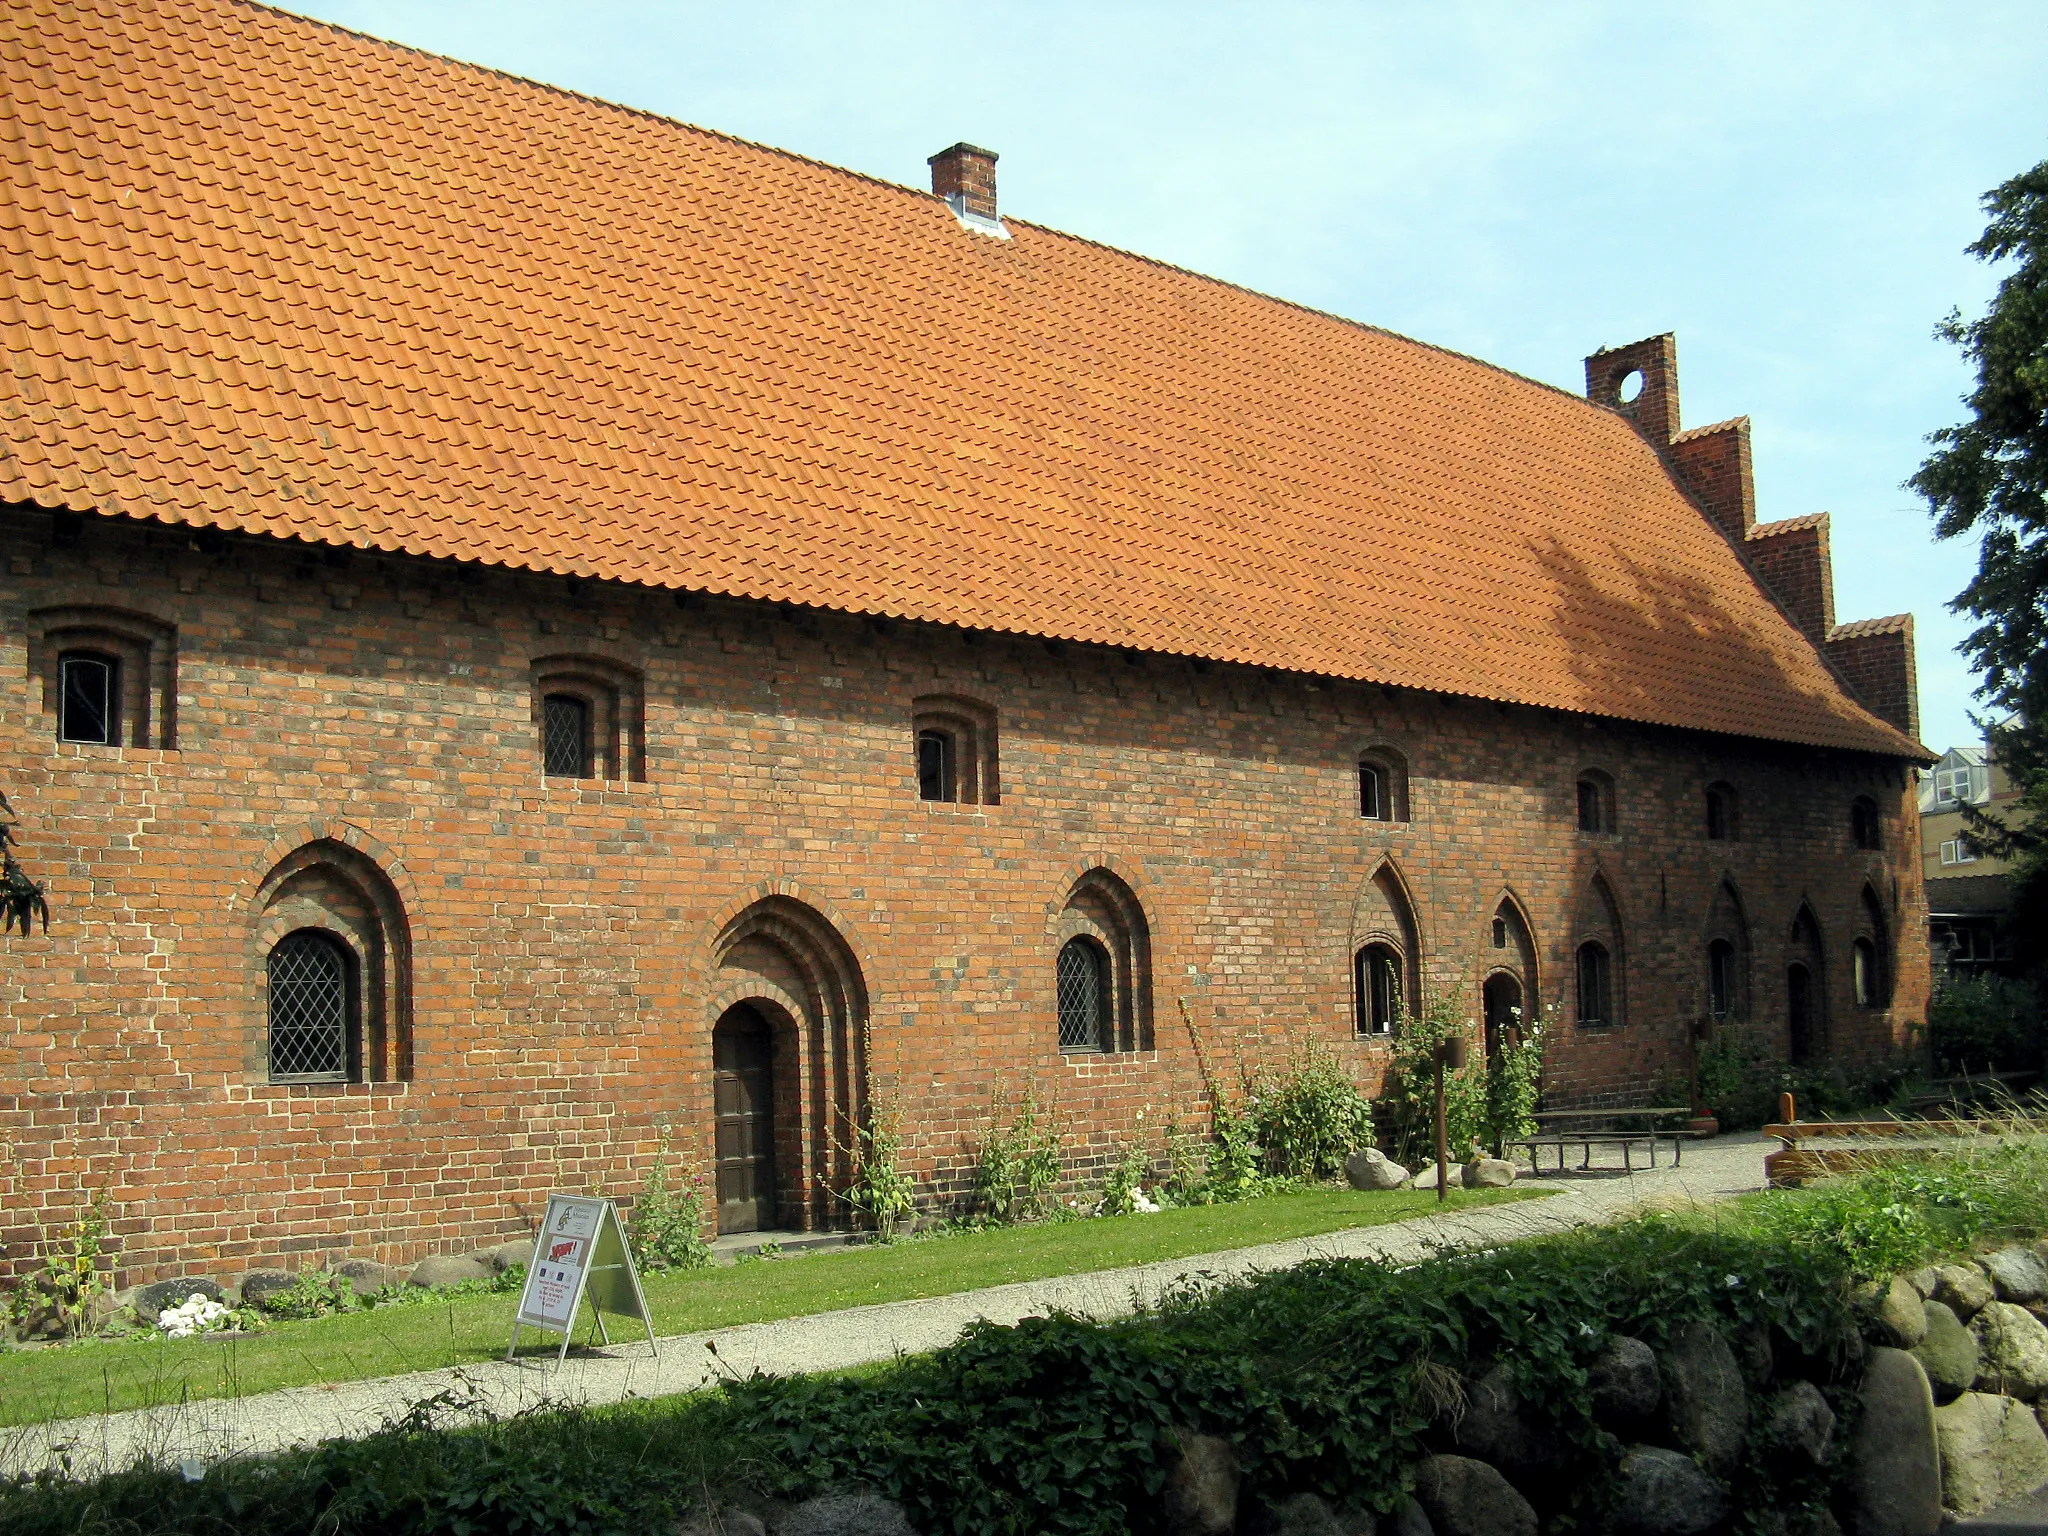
1957	851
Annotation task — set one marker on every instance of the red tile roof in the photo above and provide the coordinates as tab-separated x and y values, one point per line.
271	276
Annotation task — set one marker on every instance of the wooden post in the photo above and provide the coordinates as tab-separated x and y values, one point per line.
1788	1112
1450	1053
1443	1144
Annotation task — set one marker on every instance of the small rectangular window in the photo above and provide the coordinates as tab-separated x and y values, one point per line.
1500	933
1372	793
1591	818
91	695
565	736
936	779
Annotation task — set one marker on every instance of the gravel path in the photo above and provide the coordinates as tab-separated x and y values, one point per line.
209	1431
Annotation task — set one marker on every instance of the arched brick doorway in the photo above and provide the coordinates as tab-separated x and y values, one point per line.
789	1074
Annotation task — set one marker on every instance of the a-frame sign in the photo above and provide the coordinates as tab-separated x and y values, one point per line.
580	1255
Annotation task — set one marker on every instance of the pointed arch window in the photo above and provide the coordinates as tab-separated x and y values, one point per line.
1102	974
1720	978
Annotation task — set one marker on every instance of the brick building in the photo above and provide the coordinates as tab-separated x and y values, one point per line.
528	624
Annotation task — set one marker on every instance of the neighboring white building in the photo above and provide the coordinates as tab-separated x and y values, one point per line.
1968	893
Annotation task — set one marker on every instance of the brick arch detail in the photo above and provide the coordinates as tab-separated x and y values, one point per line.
1126	869
706	958
243	903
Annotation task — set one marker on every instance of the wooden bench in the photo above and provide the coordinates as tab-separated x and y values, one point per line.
1793	1163
1625	1137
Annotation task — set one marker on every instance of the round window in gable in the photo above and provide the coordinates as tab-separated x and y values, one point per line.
1631	389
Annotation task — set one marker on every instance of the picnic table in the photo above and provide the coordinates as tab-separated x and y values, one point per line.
1627	1128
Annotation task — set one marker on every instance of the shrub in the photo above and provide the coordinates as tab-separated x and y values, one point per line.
1234	1153
1410	1095
1122	1190
313	1293
1313	1118
667	1230
1514	1081
1020	1160
1741	1078
880	1191
1985	1023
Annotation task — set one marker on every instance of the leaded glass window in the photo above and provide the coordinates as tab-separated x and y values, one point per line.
90	699
565	736
309	1009
1084	996
1720	978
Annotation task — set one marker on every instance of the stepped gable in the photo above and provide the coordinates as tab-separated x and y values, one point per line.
271	276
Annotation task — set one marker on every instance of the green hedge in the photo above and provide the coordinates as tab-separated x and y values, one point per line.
1330	1377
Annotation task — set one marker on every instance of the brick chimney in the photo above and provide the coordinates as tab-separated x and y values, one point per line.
966	177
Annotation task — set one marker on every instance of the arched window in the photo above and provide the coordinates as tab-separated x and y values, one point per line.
1721	978
1596	984
1376	983
89	702
1084	996
312	1009
565	736
326	911
1863	959
1870	956
1865	829
1601	972
1721	821
589	713
1806	993
1382	785
1596	802
1103	978
956	750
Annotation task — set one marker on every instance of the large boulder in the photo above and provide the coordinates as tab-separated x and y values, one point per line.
1707	1402
366	1277
1464	1497
1926	1281
448	1269
1965	1288
1201	1488
1370	1168
2017	1274
1752	1346
1947	1352
1893	1310
503	1256
1800	1427
1992	1450
1488	1173
845	1514
1310	1514
1894	1472
152	1299
259	1285
1623	1383
2012	1348
1662	1493
1425	1177
1497	1426
1411	1520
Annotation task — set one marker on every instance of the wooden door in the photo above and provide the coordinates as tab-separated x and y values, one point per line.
743	1094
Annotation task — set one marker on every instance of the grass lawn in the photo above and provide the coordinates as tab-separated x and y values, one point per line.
43	1384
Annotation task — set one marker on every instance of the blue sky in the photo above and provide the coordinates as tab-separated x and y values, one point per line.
1788	187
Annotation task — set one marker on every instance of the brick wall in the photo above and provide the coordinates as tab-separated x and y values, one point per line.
566	946
1793	561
